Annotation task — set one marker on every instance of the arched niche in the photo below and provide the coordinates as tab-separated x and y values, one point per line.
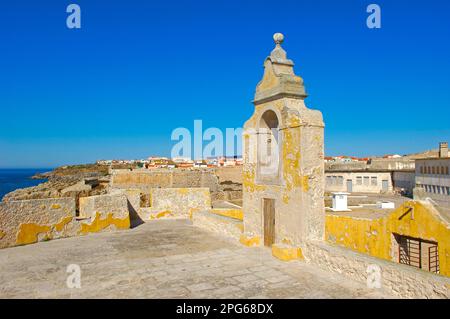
269	142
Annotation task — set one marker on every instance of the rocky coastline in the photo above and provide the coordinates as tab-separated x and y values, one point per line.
67	181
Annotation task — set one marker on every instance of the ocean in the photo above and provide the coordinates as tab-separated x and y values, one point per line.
12	179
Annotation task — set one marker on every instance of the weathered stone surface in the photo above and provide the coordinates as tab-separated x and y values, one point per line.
224	183
166	202
25	222
230	227
165	259
29	221
104	204
145	179
399	280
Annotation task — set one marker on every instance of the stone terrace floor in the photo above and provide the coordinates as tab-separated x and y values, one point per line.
164	259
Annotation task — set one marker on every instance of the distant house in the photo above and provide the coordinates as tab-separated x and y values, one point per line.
200	164
104	162
392	156
433	176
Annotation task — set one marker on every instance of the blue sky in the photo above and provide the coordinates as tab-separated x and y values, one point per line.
136	70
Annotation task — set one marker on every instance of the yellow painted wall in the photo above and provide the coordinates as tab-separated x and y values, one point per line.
229	212
374	237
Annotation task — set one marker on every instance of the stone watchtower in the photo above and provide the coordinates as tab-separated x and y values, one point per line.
283	174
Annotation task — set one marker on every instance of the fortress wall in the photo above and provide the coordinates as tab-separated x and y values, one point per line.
140	178
229	174
29	221
178	202
146	179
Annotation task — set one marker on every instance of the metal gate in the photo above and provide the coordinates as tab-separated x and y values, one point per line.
410	252
418	253
433	259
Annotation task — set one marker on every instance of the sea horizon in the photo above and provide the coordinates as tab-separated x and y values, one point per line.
12	179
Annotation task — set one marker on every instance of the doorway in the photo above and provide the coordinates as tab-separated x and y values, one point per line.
349	186
269	221
385	185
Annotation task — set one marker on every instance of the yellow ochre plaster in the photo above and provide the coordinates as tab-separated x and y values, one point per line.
249	241
375	236
286	253
28	233
60	226
161	214
232	213
99	224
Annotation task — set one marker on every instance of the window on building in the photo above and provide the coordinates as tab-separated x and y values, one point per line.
433	170
358	180
442	170
448	190
340	180
421	169
366	180
328	180
374	181
446	170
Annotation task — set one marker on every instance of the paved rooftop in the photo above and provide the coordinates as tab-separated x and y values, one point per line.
164	259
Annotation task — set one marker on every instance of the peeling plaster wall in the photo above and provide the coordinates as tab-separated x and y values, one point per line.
104	212
27	221
375	236
30	221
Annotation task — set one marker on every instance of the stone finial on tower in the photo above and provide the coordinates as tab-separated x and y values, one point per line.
278	38
279	79
278	54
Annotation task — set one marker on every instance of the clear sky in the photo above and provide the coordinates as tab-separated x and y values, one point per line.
136	70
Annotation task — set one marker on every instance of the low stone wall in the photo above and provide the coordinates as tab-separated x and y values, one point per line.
400	280
29	221
221	224
146	179
231	174
104	212
170	202
103	204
